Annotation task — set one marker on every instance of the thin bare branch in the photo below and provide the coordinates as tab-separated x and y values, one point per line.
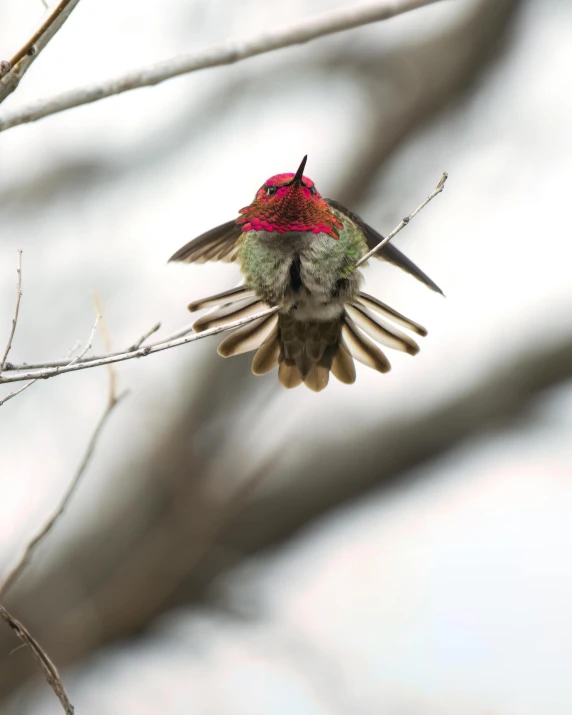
68	363
180	332
71	351
13	330
50	670
145	336
437	190
11	367
16	311
216	56
47	372
10	395
12	71
89	343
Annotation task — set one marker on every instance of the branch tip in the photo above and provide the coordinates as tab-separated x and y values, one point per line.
405	221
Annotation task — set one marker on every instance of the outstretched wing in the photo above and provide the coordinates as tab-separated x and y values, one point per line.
221	244
389	252
218	244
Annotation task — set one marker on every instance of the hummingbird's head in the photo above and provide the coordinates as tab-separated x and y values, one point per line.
289	202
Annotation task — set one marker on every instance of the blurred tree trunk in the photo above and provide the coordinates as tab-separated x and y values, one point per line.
174	536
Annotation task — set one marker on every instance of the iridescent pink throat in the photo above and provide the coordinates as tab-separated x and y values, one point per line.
290	208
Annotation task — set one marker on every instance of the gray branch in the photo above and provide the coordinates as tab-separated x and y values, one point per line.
16	312
216	56
405	221
47	372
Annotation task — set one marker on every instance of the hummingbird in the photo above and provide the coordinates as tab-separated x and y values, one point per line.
298	251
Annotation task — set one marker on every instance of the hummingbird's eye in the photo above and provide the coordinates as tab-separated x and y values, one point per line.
270	190
313	190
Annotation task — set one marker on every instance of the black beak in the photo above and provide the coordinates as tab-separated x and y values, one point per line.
297	180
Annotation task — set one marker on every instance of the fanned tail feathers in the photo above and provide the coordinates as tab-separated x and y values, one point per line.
221	299
228	313
307	351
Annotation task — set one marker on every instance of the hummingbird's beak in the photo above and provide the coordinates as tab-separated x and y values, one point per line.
297	180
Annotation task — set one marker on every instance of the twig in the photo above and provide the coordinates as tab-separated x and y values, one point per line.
10	395
71	351
50	670
180	332
11	367
144	337
12	71
437	190
47	372
16	311
67	363
215	56
13	330
89	343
